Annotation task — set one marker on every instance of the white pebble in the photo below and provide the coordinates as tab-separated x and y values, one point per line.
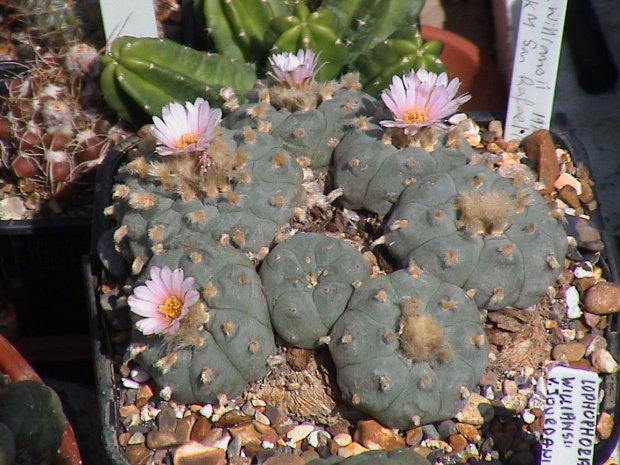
568	179
583	270
313	439
139	374
604	362
130	383
528	417
262	418
165	393
299	432
206	410
222	443
571	296
267	445
136	438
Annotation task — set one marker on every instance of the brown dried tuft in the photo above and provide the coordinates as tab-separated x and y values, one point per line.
486	213
450	258
142	201
421	338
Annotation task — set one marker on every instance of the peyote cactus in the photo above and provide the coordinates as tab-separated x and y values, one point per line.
224	340
401	456
34	416
473	228
308	280
51	137
372	172
142	75
310	121
165	203
408	349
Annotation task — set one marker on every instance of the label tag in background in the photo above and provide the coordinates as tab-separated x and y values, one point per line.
535	67
569	426
134	18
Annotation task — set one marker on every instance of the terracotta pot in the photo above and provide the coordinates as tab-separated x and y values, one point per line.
18	369
479	75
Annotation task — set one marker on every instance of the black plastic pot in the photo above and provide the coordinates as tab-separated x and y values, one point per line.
40	262
103	349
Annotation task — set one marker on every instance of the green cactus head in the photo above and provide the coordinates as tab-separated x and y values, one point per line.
408	349
308	280
492	235
33	413
205	329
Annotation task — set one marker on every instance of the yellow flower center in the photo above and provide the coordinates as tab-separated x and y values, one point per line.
185	140
171	308
416	115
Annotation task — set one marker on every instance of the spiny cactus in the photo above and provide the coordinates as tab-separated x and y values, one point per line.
51	138
365	23
473	228
408	349
309	121
164	203
308	280
55	23
401	52
237	27
224	340
142	75
372	172
33	414
308	30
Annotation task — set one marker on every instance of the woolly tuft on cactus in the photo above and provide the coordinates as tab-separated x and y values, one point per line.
308	280
408	349
475	229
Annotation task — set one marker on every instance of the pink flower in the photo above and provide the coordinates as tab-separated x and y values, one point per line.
294	70
163	300
421	99
183	130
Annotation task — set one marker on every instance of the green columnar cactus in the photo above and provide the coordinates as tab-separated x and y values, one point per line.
401	52
408	349
308	280
365	23
473	228
316	31
402	456
164	203
237	27
33	413
310	122
372	172
141	75
224	341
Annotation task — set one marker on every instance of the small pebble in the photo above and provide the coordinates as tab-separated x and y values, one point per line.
571	295
130	383
206	411
604	362
139	374
603	298
299	432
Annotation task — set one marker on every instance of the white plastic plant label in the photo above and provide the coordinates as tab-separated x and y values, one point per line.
134	18
535	67
569	427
